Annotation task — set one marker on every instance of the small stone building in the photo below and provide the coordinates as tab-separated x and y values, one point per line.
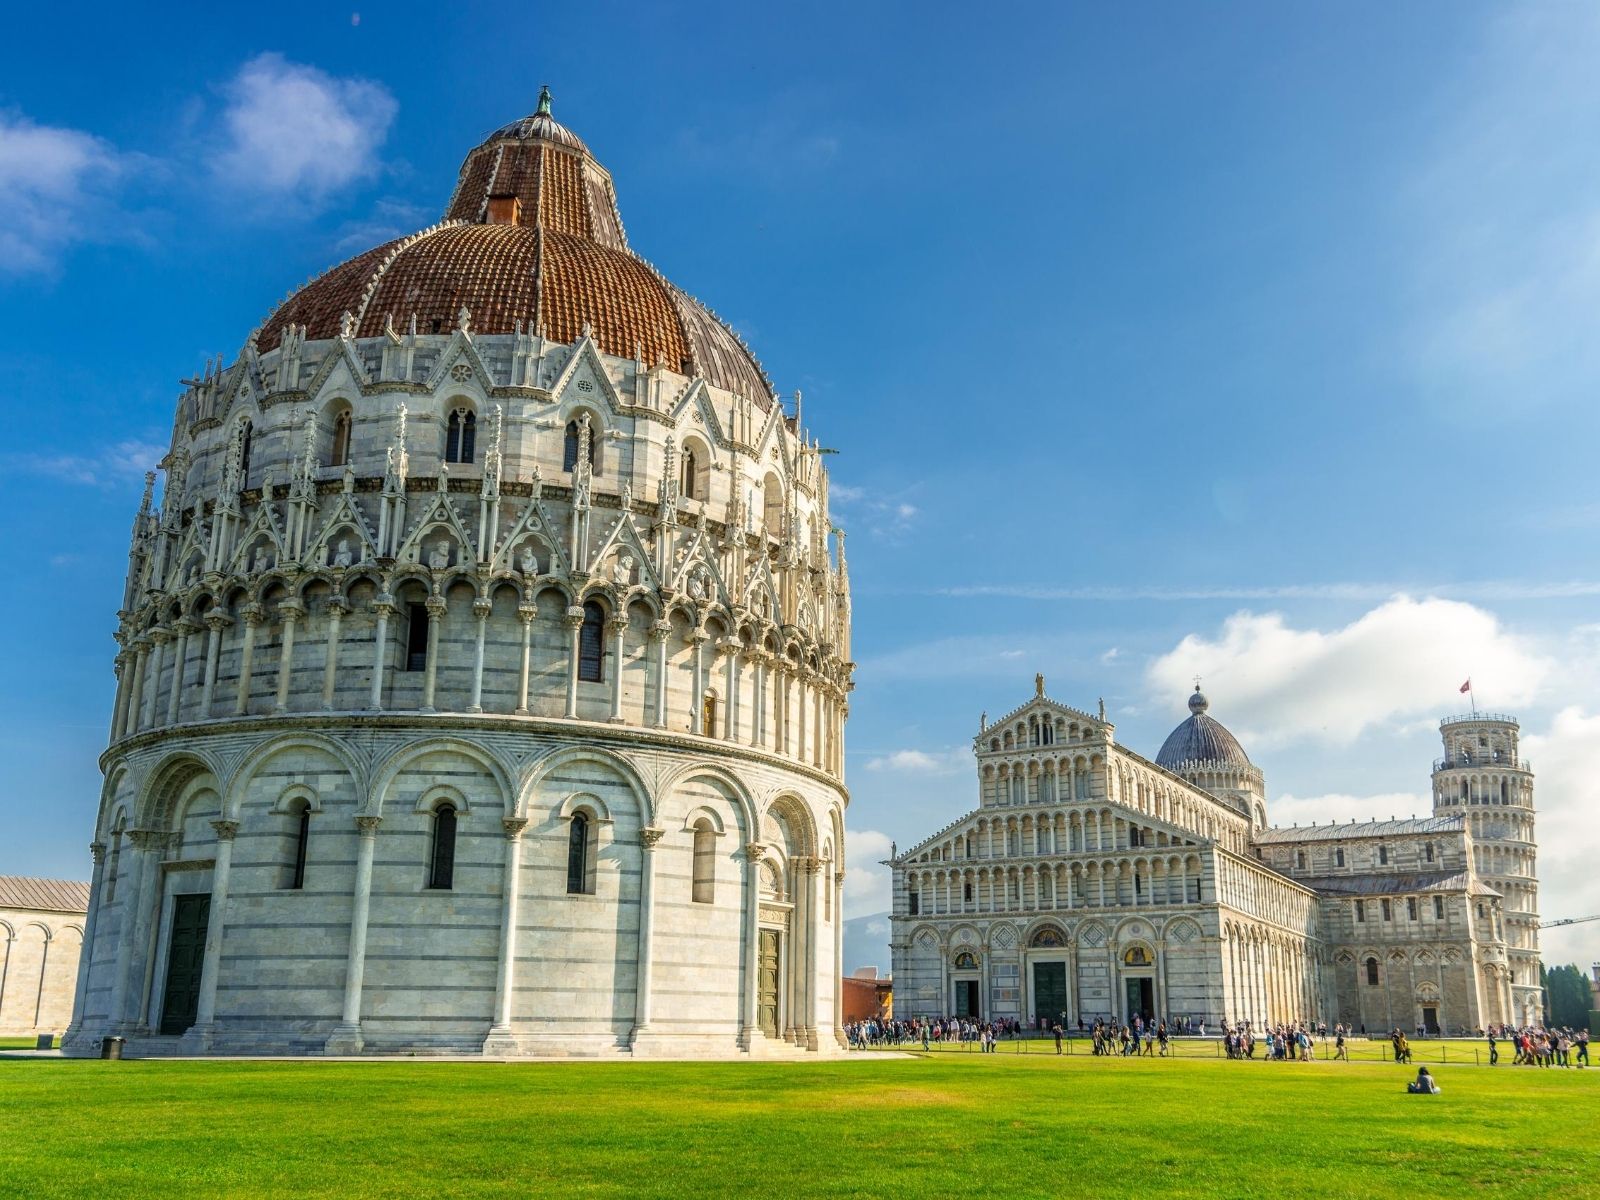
41	936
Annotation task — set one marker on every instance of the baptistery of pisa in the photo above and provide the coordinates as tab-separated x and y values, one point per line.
483	667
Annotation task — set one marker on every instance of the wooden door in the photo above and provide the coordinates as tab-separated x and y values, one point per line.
186	954
767	983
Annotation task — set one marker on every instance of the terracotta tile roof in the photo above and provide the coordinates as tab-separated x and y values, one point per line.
563	264
1352	830
43	895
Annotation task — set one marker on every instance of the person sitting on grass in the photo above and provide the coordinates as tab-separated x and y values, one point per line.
1423	1084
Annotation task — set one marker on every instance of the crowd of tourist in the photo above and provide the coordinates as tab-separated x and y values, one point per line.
1297	1041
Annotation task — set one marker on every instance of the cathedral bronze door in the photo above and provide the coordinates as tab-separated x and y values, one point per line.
967	999
186	956
1141	998
1050	991
767	983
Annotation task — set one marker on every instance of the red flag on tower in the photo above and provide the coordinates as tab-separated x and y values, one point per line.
1466	687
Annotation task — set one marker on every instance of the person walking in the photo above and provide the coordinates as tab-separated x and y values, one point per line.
1056	1030
1340	1050
1494	1051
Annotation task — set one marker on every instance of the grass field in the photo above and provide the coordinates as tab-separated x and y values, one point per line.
947	1124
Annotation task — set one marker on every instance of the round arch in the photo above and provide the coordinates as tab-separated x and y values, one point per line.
544	767
387	770
245	772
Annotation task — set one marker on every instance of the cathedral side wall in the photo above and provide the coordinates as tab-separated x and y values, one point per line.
39	954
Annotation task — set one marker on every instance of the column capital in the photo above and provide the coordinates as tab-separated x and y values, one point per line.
147	839
225	829
97	851
436	607
649	836
754	850
659	631
481	608
383	605
217	620
336	606
513	827
618	623
527	613
367	825
160	634
187	625
573	617
291	609
838	878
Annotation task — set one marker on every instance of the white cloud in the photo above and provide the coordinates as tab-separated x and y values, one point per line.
867	883
920	762
1404	658
881	514
109	466
53	183
294	130
390	218
1486	589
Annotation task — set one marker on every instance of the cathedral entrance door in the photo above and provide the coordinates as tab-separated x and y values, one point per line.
1430	1019
1141	995
1050	991
967	998
186	955
767	983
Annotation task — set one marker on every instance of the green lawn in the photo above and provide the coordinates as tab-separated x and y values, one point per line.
950	1124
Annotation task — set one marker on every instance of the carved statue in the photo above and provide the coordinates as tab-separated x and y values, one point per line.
258	559
697	584
528	561
343	557
623	572
439	559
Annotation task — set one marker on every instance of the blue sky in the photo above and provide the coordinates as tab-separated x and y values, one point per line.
1250	340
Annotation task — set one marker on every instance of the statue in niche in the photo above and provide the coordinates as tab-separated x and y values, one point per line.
439	556
342	556
623	572
698	587
528	561
258	559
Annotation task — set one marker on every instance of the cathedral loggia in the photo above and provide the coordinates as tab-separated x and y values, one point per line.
483	667
1091	882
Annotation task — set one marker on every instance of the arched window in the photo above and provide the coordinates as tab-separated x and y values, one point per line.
460	435
246	440
340	455
1372	972
442	862
708	715
569	453
580	876
591	643
691	466
702	891
300	836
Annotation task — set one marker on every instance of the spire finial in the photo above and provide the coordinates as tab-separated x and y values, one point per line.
544	101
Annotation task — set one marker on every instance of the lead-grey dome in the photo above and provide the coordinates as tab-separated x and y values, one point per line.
1201	739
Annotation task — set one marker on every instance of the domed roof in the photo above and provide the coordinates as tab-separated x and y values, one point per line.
531	235
1201	739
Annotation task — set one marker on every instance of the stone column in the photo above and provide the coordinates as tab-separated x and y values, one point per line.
206	1009
247	657
697	639
141	651
119	708
160	636
346	1038
658	638
780	735
648	837
430	675
180	658
574	621
617	627
501	1039
752	941
216	622
730	705
526	614
837	971
480	609
97	886
800	709
330	668
383	607
134	931
758	696
292	611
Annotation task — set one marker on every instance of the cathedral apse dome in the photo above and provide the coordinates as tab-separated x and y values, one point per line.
483	668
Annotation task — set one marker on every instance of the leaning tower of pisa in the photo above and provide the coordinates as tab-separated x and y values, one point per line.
1483	778
483	666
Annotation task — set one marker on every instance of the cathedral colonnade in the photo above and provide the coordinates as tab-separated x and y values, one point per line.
568	914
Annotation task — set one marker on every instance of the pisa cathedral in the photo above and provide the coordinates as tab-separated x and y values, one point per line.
483	668
1091	882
